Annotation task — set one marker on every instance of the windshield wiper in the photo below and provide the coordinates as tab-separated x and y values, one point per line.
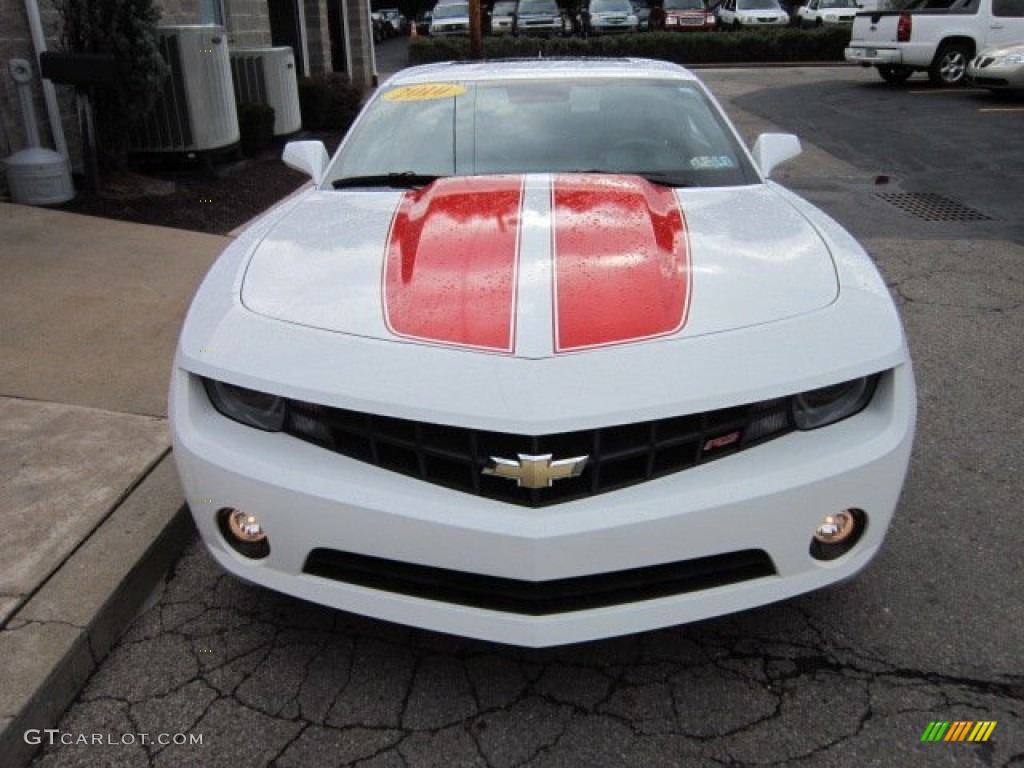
400	180
667	178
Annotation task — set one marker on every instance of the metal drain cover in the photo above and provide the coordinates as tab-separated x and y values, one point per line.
932	207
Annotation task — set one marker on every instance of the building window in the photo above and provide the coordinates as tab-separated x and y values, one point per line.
211	12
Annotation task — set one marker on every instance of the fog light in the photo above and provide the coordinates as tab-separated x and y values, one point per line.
837	533
243	531
244	526
836	528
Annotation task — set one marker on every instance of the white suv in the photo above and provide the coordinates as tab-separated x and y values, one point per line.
751	13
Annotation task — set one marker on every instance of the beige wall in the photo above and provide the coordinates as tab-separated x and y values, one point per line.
318	38
247	21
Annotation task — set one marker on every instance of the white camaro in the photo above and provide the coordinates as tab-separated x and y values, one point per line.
543	357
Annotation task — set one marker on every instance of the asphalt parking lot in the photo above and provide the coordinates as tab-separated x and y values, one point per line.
851	676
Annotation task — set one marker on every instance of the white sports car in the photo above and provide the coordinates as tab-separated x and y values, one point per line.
542	357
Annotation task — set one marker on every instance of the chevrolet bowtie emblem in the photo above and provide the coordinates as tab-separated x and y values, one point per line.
536	471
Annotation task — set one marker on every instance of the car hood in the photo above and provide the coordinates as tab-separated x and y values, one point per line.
539	265
1007	49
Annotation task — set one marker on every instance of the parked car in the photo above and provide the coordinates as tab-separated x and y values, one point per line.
999	69
450	18
684	16
423	21
604	17
817	13
642	11
503	17
537	17
542	356
379	28
930	38
572	20
734	14
394	22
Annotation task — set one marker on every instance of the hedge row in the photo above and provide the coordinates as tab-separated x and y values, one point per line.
328	102
761	45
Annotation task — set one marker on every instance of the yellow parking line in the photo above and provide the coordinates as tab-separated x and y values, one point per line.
932	91
1001	109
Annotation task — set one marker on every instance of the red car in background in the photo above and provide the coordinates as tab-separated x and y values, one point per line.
683	16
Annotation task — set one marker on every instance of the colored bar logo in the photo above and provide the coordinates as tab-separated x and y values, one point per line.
958	730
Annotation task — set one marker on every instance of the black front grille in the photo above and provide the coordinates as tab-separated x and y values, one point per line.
540	598
618	456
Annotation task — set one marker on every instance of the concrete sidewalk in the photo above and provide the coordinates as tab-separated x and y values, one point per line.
90	507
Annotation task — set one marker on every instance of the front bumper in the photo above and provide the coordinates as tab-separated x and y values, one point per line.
601	28
753	21
768	498
450	31
996	76
539	27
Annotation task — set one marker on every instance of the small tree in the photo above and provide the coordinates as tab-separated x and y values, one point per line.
127	30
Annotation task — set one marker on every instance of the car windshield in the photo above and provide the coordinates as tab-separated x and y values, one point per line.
684	5
503	9
538	6
838	4
666	130
609	6
757	5
451	11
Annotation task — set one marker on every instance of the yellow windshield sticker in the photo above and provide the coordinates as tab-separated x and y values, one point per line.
424	92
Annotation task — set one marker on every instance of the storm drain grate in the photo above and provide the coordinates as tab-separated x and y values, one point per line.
932	207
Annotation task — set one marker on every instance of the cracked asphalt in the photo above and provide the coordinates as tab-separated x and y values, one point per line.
850	676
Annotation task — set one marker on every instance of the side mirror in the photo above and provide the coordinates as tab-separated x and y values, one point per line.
773	149
309	157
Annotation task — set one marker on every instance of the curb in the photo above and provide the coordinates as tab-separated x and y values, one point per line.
59	637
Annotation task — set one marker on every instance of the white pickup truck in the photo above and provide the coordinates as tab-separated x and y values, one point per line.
936	36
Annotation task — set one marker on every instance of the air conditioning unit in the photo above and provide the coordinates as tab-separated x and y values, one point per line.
196	108
267	76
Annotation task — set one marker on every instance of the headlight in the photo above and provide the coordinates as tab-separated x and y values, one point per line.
246	406
821	407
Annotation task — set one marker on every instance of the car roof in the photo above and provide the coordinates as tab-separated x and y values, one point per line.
539	69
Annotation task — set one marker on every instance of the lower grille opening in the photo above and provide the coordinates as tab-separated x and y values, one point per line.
540	598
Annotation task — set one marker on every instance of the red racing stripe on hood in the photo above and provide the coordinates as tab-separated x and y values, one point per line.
452	255
622	261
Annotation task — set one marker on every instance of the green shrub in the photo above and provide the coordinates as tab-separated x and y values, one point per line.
328	102
255	127
125	29
744	46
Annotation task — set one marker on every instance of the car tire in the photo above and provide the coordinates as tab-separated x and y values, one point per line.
894	73
950	64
